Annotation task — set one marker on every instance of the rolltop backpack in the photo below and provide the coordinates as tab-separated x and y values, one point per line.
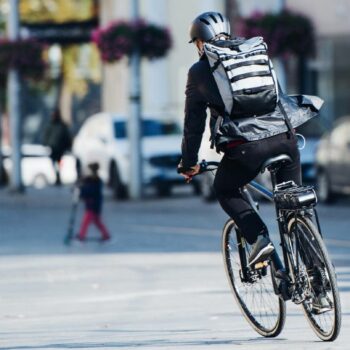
244	75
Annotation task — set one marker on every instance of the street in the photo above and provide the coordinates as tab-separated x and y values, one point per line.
160	283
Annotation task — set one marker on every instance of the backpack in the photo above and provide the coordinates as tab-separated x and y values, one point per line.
244	75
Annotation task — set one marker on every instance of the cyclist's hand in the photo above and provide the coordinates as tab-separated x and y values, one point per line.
188	174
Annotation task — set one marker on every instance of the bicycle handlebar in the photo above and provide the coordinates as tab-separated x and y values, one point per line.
203	167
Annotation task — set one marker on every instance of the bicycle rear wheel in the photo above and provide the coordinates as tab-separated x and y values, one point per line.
253	288
314	260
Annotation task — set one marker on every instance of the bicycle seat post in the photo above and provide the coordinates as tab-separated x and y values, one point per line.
273	178
274	164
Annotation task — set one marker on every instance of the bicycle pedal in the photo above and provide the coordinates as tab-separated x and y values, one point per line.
261	264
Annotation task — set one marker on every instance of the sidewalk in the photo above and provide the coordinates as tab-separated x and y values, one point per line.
160	285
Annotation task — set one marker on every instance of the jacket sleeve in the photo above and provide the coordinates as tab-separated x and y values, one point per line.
195	117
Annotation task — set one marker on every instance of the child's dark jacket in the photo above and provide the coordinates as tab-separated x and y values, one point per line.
91	193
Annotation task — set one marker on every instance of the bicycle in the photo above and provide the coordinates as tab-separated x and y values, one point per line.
261	291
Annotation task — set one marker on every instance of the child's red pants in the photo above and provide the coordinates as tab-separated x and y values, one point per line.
89	218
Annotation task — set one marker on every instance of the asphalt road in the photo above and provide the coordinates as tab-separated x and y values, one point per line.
160	284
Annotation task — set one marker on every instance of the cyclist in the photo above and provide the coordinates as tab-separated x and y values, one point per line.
243	157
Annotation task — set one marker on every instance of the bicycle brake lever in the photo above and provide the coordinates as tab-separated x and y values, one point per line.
203	166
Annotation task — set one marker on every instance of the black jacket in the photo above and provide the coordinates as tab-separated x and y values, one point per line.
58	138
91	193
202	92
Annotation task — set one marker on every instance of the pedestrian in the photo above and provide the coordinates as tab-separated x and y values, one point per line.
248	123
58	138
91	193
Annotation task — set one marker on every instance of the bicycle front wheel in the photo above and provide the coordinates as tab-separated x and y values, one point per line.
253	289
314	260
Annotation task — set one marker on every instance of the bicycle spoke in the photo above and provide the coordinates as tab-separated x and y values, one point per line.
321	282
255	294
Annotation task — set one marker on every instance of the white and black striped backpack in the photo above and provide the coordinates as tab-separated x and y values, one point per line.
244	75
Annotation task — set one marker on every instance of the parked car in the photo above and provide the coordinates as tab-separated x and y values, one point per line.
103	139
312	131
333	162
36	166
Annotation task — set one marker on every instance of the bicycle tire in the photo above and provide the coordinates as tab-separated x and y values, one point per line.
306	230
267	318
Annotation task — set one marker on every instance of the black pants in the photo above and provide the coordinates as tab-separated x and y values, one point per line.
242	164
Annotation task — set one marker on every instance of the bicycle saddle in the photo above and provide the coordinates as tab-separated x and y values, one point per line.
274	163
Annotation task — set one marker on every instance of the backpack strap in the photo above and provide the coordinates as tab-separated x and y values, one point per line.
218	122
215	65
286	118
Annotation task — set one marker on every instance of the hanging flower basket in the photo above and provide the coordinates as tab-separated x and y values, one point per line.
24	55
285	33
122	38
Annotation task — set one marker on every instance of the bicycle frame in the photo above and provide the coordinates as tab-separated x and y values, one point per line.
288	256
280	219
306	277
291	265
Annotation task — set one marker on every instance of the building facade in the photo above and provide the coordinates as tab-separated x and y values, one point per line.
330	69
164	80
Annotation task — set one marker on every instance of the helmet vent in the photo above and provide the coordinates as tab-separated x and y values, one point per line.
204	21
213	18
222	20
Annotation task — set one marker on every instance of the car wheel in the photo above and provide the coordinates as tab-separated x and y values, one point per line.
197	190
207	188
4	178
40	181
78	168
324	191
119	189
163	190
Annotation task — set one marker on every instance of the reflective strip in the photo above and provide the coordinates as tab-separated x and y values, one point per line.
250	75
247	69
251	83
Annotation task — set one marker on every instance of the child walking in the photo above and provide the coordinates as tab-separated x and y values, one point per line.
91	194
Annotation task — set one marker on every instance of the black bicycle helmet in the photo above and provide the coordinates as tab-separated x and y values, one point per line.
208	25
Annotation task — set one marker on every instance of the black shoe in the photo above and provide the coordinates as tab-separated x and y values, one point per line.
261	250
321	304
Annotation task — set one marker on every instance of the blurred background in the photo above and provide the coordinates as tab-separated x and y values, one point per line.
86	72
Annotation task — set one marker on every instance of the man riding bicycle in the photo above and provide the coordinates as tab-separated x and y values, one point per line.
246	143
